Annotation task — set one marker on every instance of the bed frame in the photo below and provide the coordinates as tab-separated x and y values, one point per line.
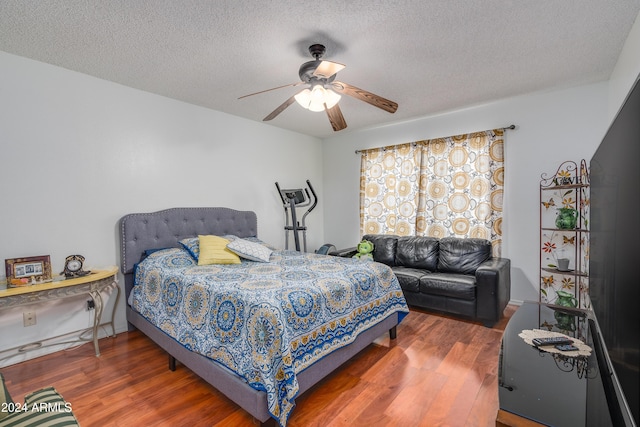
164	229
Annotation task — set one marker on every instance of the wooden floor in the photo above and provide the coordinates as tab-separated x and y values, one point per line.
438	372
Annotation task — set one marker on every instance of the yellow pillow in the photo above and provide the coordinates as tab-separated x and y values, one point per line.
213	250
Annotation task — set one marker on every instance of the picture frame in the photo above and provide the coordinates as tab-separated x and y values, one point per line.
28	270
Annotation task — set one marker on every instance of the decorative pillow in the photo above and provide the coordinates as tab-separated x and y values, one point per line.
257	240
213	250
191	244
250	250
5	399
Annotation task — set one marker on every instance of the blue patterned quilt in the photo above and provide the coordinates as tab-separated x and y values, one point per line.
266	321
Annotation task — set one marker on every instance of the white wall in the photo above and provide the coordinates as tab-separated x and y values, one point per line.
551	127
77	153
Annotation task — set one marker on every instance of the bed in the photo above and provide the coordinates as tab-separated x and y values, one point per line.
304	343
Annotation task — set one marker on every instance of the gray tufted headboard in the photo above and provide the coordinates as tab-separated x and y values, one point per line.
164	229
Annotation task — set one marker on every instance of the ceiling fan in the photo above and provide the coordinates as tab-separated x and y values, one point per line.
321	94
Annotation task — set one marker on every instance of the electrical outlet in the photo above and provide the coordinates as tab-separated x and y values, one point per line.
29	318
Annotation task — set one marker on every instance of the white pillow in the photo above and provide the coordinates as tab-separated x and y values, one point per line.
250	250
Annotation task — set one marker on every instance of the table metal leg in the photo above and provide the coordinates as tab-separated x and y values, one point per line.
97	315
113	313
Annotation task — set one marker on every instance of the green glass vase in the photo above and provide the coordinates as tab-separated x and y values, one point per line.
565	299
567	218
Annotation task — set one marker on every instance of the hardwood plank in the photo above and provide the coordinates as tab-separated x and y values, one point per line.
439	371
506	419
484	403
414	402
462	386
357	408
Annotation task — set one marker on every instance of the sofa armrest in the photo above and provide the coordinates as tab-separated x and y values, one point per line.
345	253
493	285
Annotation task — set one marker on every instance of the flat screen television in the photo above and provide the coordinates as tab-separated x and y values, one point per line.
614	261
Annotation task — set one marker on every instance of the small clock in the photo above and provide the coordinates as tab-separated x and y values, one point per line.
73	266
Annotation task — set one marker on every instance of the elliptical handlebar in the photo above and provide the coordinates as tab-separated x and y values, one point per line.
315	201
280	193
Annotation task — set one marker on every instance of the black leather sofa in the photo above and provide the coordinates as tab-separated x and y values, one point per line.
450	275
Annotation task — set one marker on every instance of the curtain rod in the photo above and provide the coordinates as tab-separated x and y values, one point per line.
510	127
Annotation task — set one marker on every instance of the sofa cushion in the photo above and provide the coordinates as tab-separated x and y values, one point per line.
409	278
459	286
417	252
462	256
384	247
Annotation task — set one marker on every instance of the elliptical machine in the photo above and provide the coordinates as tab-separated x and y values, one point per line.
292	199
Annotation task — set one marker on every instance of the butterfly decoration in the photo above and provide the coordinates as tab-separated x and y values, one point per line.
548	204
548	326
569	240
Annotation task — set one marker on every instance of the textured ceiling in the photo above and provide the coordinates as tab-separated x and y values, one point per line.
429	56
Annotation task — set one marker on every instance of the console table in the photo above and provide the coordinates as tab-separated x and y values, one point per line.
538	388
92	285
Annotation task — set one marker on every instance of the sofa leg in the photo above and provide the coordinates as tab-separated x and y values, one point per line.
393	332
172	363
488	323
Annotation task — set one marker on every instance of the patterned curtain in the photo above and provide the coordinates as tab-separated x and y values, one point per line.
389	189
441	187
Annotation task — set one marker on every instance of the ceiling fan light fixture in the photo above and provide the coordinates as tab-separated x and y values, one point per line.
316	98
323	92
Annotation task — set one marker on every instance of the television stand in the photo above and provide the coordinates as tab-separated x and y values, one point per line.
538	388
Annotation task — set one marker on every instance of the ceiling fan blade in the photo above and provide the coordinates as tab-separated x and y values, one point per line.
335	117
327	69
280	109
269	90
363	95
